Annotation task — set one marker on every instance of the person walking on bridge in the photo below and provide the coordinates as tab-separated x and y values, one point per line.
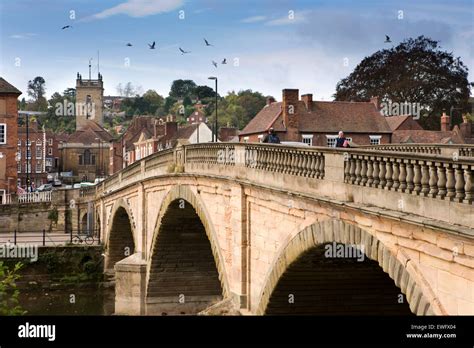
271	137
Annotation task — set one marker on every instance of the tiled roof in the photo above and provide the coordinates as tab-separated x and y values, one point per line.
426	137
7	88
88	134
395	122
351	117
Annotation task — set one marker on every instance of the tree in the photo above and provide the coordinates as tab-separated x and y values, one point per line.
415	71
9	304
36	88
182	88
202	92
154	101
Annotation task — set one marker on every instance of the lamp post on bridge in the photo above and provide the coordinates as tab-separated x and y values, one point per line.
214	138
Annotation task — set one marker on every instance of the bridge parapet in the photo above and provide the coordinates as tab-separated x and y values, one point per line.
453	151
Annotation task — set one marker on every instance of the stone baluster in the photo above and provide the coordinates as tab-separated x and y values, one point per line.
441	180
370	171
287	161
388	174
416	178
425	178
352	169
451	193
433	181
347	170
357	171
396	175
382	173
363	170
375	174
469	185
403	176
321	166
459	183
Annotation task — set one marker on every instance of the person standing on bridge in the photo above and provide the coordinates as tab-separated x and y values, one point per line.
342	141
271	137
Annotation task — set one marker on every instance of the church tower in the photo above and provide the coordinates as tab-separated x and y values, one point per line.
89	100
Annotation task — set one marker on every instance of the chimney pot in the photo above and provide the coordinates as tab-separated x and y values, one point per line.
445	121
308	101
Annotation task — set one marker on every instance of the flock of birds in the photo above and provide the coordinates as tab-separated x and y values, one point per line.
152	46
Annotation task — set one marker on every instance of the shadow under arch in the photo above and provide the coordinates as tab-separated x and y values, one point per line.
121	236
338	231
182	202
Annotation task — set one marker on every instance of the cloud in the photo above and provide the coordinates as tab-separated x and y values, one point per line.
293	17
140	8
22	36
254	19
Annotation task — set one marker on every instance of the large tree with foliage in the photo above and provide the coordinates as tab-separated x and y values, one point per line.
36	90
181	89
415	71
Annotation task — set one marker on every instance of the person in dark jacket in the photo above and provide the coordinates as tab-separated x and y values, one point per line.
341	140
271	137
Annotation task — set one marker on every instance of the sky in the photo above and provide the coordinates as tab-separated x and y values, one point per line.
269	45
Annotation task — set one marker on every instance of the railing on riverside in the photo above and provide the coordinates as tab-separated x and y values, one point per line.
35	197
425	175
45	237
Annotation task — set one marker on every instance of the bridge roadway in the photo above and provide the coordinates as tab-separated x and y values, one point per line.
242	228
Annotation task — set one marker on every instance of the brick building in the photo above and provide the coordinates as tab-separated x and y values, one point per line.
317	123
8	138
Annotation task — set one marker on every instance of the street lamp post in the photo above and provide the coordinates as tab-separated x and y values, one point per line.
214	138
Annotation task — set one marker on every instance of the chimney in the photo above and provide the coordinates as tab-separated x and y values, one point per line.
375	101
270	100
466	127
171	128
308	101
445	120
290	113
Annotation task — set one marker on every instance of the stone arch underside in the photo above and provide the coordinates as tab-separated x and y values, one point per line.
121	237
340	232
185	272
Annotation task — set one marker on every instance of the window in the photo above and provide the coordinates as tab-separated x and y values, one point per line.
308	139
18	169
39	152
49	162
29	142
28	167
50	151
375	139
39	167
28	153
38	142
331	140
260	138
246	139
19	142
81	160
18	155
50	141
3	133
137	153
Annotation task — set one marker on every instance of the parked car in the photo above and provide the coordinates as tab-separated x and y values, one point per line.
57	183
98	180
44	187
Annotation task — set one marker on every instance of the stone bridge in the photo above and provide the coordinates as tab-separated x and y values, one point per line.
272	229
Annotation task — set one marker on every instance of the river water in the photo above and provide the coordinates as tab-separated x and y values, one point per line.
71	301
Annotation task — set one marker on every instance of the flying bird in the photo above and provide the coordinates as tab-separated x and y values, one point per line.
207	43
129	44
224	61
152	46
387	39
183	51
214	63
66	27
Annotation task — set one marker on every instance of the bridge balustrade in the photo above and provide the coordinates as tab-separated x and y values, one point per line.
433	149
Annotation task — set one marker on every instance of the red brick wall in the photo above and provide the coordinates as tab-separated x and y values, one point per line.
10	118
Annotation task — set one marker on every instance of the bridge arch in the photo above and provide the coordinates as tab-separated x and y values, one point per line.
121	237
338	231
180	207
